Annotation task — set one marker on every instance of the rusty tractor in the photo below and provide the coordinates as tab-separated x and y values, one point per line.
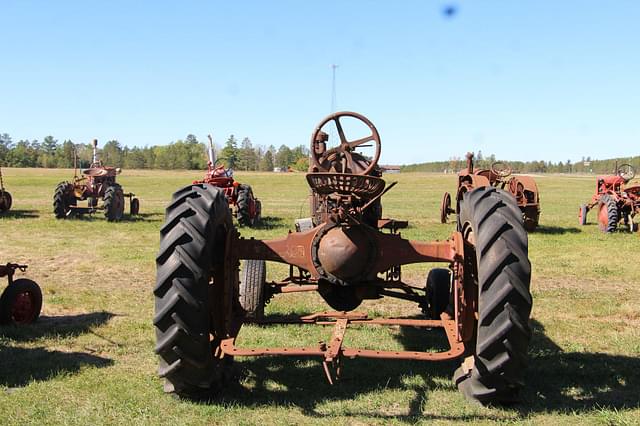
522	188
615	200
21	301
5	196
248	209
98	182
479	299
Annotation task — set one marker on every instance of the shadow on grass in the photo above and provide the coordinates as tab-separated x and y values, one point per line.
62	326
577	381
19	366
269	222
99	216
557	382
555	230
20	214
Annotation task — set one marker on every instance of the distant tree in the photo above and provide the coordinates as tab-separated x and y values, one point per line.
5	146
266	163
247	158
284	157
229	154
112	154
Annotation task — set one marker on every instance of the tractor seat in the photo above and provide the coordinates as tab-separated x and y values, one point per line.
94	172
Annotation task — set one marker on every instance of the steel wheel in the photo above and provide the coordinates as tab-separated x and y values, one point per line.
20	303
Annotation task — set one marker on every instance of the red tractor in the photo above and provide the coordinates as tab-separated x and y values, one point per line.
479	299
615	200
5	196
522	188
248	209
21	301
97	182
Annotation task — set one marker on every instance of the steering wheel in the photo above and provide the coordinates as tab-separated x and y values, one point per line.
501	169
323	159
626	172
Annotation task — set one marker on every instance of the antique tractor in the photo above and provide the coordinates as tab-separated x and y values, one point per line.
5	196
248	209
522	188
21	301
480	299
97	182
615	200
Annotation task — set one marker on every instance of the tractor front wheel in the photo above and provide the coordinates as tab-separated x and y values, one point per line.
134	207
21	302
63	200
252	287
196	299
496	261
607	214
114	203
5	201
438	292
582	215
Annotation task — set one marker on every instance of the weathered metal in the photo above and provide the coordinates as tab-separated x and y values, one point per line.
5	196
21	300
523	188
617	201
98	182
347	253
248	208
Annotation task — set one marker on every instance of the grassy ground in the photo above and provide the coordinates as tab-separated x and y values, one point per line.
90	360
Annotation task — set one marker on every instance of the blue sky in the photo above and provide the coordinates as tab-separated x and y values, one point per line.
524	80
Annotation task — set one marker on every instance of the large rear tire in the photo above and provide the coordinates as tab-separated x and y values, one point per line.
607	214
497	250
21	302
247	210
114	203
252	287
196	292
63	200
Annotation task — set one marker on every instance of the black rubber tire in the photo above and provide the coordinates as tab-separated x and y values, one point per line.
243	212
252	287
5	201
582	215
8	299
189	293
438	292
114	203
610	204
340	298
134	207
63	199
491	218
530	218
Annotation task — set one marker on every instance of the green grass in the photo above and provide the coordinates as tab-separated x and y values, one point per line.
90	360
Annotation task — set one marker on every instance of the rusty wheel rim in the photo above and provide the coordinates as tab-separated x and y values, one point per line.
23	310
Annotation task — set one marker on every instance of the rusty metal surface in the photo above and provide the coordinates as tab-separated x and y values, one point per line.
340	321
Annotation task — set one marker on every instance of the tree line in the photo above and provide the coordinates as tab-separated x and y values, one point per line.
586	165
181	154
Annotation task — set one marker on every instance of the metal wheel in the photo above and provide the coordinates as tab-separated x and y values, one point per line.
20	302
445	207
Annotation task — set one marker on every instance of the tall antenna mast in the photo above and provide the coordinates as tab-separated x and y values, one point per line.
333	88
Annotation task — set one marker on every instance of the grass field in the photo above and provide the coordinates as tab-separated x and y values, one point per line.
90	360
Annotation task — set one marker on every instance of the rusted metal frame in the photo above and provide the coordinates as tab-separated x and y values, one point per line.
404	296
335	350
296	249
